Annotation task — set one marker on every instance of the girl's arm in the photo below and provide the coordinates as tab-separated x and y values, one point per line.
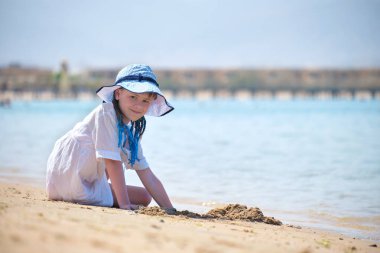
154	187
115	172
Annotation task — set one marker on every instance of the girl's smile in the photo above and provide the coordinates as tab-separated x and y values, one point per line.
133	105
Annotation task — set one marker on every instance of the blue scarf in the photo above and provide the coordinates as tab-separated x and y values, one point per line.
133	137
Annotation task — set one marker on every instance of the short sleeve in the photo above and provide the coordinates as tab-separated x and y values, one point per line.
140	164
106	133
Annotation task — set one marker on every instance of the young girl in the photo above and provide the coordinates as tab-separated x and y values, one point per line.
94	152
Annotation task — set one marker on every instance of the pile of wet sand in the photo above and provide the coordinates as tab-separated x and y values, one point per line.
229	212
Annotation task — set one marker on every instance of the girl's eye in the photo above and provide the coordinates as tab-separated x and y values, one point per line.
133	97
146	101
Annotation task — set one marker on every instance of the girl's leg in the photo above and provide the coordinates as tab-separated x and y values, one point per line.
137	196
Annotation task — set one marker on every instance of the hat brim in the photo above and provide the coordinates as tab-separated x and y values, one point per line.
159	107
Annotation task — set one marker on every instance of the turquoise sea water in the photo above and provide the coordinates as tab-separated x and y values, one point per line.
306	162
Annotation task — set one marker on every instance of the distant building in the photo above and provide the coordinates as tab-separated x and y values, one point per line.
17	78
64	81
100	76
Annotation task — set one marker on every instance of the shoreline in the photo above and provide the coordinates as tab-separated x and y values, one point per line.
30	222
349	226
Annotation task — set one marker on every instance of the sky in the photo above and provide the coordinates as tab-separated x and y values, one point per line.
191	34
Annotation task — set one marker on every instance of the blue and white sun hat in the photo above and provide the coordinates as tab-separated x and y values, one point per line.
138	78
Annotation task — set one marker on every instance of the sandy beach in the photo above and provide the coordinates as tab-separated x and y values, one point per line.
31	223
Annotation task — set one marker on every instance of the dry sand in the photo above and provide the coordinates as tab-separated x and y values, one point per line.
31	223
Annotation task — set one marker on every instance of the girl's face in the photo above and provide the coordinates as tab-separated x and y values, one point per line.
133	105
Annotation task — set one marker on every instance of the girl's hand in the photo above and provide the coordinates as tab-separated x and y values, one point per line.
134	207
130	207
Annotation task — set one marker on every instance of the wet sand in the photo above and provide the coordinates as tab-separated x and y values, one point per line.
31	223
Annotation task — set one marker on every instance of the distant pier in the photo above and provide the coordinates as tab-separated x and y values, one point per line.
8	96
18	82
277	95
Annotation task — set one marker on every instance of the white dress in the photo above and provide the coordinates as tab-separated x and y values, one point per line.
76	168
